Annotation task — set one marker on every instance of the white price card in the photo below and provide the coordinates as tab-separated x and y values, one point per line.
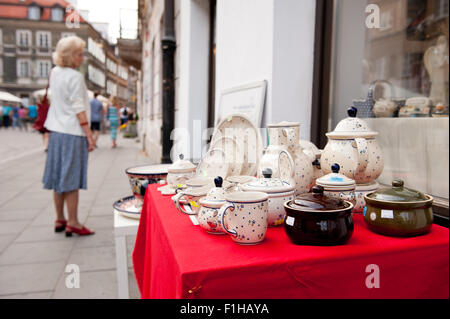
386	213
290	221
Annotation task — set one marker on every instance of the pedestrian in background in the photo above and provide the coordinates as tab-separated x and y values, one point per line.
113	117
23	118
124	111
70	136
1	115
32	113
7	112
96	116
15	116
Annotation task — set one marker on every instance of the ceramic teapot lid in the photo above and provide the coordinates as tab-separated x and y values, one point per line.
181	166
398	193
335	179
352	127
268	184
317	202
216	196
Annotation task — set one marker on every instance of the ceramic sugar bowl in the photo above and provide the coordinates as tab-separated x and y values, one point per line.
180	171
353	146
279	192
338	185
209	208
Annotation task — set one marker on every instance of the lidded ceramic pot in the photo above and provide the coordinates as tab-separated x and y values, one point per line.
353	146
209	208
317	219
180	171
398	211
338	185
279	192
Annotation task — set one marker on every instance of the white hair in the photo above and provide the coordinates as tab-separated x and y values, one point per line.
65	50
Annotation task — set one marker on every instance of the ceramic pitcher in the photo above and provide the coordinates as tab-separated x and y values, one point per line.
353	146
287	134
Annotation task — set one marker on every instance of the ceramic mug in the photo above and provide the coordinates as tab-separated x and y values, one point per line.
244	216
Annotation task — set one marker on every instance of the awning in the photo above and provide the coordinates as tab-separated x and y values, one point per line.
8	97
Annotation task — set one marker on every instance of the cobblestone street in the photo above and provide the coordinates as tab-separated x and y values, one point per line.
32	257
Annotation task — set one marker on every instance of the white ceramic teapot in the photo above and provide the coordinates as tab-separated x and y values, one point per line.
209	208
353	146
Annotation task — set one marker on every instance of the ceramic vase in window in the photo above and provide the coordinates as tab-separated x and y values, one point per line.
287	134
353	146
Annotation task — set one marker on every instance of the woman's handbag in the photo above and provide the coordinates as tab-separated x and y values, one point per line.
42	112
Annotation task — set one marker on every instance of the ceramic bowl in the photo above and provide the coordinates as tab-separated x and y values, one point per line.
142	176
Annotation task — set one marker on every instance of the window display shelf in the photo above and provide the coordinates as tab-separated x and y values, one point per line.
415	150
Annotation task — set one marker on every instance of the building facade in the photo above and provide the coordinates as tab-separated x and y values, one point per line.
29	32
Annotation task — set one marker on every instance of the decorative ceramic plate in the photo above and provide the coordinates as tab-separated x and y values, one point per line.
129	207
247	137
233	156
213	164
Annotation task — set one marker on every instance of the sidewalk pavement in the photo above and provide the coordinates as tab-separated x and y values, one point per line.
32	257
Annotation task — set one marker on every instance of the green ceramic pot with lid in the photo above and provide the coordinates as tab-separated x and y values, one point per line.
398	211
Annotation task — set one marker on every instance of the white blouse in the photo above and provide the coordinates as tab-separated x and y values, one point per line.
69	96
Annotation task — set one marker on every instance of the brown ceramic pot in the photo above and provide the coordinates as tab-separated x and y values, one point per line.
317	219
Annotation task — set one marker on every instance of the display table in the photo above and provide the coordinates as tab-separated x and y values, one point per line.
123	227
173	258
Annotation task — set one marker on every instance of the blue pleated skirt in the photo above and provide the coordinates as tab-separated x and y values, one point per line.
66	165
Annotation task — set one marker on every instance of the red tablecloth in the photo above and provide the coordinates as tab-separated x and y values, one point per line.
173	258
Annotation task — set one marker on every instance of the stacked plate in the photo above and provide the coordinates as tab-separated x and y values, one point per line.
235	149
139	177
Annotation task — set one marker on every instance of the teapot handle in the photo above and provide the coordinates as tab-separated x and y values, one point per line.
363	155
291	163
177	199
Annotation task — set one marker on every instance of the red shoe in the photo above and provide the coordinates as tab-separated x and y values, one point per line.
60	225
81	232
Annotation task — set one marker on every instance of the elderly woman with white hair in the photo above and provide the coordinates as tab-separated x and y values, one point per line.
70	136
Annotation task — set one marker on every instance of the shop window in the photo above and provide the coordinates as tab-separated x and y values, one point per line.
403	62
